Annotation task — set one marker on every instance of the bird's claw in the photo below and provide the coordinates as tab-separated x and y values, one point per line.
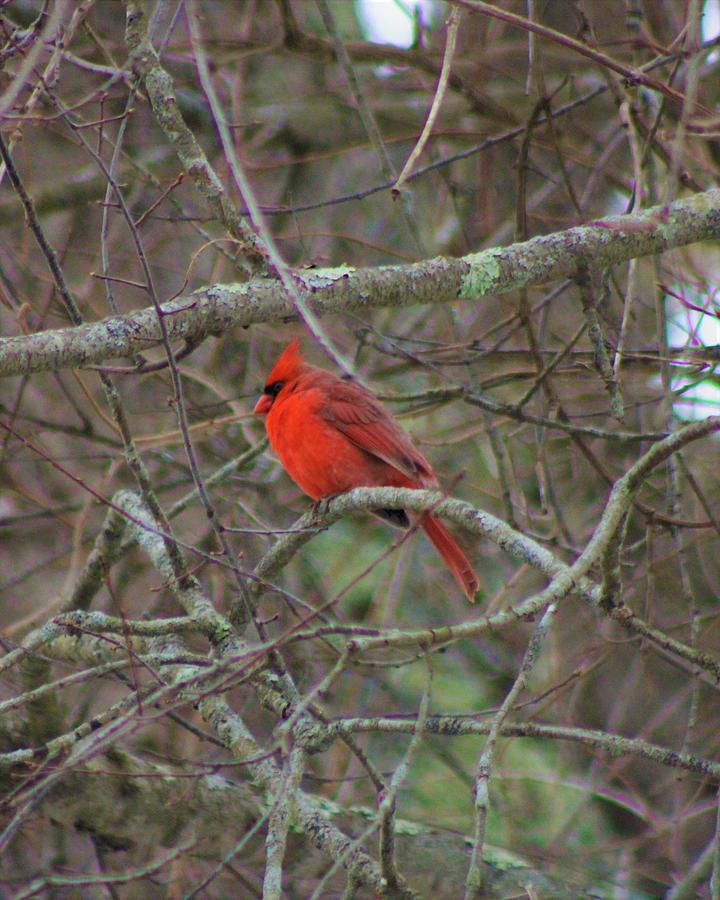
321	507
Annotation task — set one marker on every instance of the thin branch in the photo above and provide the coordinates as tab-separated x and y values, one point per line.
474	881
453	24
367	118
161	91
386	812
612	744
51	883
633	76
597	339
282	816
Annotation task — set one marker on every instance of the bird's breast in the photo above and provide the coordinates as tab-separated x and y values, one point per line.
320	458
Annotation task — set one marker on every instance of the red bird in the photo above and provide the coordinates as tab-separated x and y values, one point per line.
333	435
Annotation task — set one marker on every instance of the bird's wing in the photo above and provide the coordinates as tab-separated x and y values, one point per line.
358	415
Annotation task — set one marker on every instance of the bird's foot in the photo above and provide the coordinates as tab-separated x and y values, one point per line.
321	507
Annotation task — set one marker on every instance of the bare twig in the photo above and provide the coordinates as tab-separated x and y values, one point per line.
453	24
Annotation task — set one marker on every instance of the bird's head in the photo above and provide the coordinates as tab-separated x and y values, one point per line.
288	366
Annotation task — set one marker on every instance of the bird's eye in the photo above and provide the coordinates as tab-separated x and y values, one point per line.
274	389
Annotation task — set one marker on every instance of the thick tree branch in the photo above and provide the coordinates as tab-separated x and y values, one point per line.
214	309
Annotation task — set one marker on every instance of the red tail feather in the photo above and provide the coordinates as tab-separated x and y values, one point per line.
452	555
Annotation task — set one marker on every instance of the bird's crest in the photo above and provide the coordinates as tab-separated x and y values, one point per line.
289	364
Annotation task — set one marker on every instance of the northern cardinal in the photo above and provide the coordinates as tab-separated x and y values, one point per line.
332	435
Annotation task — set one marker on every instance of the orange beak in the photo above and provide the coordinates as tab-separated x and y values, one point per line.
265	401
